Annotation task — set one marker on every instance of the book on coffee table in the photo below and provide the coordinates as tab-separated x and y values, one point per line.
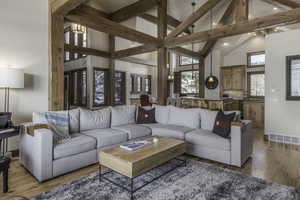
133	146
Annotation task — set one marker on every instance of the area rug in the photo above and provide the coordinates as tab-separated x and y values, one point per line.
196	181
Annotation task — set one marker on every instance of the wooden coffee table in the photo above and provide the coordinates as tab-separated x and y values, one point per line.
135	163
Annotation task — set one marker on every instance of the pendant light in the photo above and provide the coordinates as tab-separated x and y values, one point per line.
211	82
77	28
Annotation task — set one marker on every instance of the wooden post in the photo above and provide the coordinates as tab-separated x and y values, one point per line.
162	72
242	10
112	48
201	77
56	63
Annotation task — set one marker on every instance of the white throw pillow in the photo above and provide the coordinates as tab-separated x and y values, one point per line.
122	115
40	118
94	119
162	114
208	118
184	117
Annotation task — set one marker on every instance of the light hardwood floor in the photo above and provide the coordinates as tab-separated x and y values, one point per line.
271	161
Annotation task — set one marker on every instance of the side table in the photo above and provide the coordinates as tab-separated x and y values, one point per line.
4	166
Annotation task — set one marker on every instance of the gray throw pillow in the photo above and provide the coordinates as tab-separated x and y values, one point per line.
59	124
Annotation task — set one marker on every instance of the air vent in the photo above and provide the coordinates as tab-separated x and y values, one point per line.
284	139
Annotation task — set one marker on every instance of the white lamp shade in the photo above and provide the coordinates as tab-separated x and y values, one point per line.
11	78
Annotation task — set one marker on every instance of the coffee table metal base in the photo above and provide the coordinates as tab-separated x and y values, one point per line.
131	190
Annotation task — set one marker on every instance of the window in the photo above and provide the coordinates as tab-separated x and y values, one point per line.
75	88
140	84
100	87
293	78
256	59
189	82
120	88
256	74
148	84
75	39
256	84
184	60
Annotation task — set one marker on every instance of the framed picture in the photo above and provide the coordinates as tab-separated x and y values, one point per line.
293	78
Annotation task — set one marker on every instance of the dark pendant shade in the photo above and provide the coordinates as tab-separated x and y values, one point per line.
211	82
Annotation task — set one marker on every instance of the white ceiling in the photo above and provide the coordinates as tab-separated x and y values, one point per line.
181	9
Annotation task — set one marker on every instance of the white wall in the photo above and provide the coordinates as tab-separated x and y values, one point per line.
24	44
282	116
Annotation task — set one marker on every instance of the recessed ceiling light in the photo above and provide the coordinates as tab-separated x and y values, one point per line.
225	44
275	8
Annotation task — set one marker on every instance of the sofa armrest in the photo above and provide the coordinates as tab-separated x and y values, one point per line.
36	152
241	142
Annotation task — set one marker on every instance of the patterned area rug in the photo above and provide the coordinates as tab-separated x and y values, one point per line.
195	181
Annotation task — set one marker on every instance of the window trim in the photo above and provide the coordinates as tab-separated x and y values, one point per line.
197	63
188	70
124	88
249	54
70	93
289	59
106	102
72	42
249	84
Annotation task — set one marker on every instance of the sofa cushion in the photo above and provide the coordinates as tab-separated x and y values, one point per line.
94	119
39	118
208	118
107	137
77	144
121	115
207	139
134	131
162	114
169	130
184	117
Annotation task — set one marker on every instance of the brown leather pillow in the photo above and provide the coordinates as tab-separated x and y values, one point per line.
146	116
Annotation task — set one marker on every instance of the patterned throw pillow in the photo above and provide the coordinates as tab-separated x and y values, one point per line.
146	116
59	124
223	124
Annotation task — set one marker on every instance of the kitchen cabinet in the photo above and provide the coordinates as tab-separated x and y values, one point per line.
254	111
233	78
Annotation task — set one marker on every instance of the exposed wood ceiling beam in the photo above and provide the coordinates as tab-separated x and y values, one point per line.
242	10
172	22
185	52
138	61
133	10
63	7
92	11
288	3
288	17
87	51
133	51
226	18
194	17
99	23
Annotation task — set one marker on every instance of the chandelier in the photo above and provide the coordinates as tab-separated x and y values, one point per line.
77	28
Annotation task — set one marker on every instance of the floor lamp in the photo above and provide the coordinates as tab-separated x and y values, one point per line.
10	78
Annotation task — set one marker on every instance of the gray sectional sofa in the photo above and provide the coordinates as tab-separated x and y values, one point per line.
92	131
